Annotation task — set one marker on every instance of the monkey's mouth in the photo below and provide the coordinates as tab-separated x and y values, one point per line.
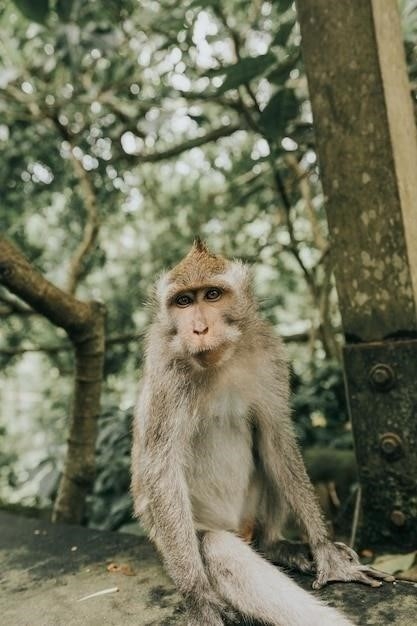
208	357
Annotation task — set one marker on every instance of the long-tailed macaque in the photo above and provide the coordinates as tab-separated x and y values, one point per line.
215	461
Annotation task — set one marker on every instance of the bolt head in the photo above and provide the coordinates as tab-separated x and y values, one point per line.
398	518
382	376
391	446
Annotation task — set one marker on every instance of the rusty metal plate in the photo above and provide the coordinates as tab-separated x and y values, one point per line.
381	387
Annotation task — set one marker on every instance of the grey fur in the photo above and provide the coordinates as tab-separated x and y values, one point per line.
215	448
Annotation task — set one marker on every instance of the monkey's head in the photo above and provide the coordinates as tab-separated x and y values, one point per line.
205	302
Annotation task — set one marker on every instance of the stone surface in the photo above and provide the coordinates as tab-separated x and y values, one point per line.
46	569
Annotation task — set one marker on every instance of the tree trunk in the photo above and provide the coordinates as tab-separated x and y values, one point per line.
367	147
84	324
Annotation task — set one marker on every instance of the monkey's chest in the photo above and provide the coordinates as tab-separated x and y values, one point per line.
221	473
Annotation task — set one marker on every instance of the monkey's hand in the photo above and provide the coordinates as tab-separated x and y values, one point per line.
338	562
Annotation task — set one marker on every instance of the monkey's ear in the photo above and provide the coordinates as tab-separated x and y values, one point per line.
239	275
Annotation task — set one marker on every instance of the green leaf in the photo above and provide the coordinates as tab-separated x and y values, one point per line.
284	5
283	33
34	10
280	110
245	70
204	3
64	9
279	74
199	119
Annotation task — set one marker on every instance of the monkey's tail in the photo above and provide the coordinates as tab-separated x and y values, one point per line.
258	589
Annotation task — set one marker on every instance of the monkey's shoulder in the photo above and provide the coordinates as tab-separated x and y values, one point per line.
267	348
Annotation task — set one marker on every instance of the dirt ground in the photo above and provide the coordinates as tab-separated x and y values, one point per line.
47	571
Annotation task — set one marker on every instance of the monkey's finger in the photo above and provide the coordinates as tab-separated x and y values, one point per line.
307	567
376	573
320	581
230	615
347	550
317	585
358	575
361	577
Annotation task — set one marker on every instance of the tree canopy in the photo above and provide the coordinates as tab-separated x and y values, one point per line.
127	129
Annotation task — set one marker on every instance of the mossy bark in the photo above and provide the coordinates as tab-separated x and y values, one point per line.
367	148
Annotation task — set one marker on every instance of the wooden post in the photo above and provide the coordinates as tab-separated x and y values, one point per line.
367	148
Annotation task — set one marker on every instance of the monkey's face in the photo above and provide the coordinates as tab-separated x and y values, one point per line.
204	304
203	324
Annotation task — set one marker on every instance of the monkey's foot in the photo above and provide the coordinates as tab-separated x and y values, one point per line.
338	562
291	554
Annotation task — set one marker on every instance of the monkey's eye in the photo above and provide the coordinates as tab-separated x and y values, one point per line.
213	294
183	300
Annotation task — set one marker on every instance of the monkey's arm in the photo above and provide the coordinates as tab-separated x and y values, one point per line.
284	466
168	512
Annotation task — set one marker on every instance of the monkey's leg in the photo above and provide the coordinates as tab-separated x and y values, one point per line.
258	589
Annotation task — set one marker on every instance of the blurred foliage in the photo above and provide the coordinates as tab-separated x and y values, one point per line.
110	504
167	120
319	407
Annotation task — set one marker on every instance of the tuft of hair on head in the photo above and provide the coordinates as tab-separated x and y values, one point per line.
198	265
200	245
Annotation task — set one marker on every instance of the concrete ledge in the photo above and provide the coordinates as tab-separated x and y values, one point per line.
46	569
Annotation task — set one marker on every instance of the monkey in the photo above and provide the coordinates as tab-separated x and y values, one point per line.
215	462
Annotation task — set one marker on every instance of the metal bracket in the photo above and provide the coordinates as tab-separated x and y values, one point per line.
381	387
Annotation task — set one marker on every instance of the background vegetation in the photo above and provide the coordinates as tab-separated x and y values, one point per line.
126	129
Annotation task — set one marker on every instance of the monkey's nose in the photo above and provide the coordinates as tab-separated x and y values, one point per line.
203	330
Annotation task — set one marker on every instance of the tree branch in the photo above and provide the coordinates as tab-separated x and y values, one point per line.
280	187
91	228
92	225
21	278
304	187
213	135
